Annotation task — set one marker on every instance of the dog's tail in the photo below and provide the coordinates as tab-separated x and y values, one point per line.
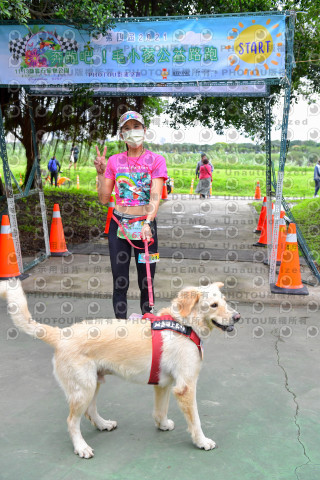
18	308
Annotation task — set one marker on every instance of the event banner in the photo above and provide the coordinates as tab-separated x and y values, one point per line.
122	89
162	52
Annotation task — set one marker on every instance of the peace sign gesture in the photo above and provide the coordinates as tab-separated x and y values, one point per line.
100	161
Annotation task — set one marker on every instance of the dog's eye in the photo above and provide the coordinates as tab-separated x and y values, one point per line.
214	305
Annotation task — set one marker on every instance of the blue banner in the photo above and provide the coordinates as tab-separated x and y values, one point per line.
161	52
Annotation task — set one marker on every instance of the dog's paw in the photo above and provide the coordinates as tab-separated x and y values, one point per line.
106	425
206	444
165	426
84	451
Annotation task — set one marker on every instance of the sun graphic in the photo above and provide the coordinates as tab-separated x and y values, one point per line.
254	45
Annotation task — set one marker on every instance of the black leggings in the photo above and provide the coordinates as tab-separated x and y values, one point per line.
54	176
120	256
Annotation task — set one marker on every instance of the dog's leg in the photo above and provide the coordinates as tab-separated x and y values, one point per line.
186	398
79	400
161	405
94	417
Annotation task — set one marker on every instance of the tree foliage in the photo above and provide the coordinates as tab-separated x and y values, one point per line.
91	14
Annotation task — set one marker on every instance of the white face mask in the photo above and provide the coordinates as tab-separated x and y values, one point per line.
134	138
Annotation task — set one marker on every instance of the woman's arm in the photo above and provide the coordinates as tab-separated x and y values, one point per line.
152	207
155	197
105	187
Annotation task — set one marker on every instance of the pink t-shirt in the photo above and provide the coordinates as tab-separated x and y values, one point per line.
133	176
205	171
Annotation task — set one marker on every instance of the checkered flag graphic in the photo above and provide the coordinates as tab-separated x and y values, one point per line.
67	45
18	47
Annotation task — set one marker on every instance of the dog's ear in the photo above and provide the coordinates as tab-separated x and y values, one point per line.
186	301
219	284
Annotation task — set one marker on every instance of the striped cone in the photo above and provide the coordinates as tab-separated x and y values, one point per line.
78	182
172	185
58	247
9	267
191	188
281	239
262	216
289	278
257	194
111	206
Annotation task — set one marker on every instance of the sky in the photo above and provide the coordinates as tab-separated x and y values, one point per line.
304	124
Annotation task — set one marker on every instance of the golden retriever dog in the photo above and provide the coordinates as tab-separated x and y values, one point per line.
82	358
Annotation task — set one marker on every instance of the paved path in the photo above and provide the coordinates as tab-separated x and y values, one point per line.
258	392
199	241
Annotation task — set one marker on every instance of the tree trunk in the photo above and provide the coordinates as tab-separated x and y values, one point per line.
2	190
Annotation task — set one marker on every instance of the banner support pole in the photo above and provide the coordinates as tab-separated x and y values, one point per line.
284	145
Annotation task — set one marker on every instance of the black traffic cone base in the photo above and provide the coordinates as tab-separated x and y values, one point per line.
289	291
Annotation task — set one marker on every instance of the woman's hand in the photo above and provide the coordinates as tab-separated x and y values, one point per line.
146	233
100	161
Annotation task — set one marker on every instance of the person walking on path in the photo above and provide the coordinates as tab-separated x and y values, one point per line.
74	155
200	163
54	167
205	179
137	175
316	177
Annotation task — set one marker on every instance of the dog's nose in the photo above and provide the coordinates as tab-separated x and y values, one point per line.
236	317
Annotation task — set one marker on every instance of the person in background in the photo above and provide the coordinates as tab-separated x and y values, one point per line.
316	176
203	155
137	175
74	155
205	179
54	167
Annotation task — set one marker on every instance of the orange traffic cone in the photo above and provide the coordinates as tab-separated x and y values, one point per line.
164	192
9	267
257	194
58	247
289	278
111	206
281	239
191	187
263	239
262	216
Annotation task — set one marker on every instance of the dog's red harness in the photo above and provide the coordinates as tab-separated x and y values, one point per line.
158	324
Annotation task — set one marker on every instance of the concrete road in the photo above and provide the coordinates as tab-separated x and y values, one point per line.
258	391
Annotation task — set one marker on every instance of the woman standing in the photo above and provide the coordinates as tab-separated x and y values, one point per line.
205	179
137	176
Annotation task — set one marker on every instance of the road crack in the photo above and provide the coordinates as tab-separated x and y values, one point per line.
296	415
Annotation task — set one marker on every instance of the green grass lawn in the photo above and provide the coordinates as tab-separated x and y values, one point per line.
228	179
298	182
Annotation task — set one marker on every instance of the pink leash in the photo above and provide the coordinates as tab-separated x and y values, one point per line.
150	292
146	250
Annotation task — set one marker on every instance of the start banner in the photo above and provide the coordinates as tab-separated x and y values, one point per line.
159	52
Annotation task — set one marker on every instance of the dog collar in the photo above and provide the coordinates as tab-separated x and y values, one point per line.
166	322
